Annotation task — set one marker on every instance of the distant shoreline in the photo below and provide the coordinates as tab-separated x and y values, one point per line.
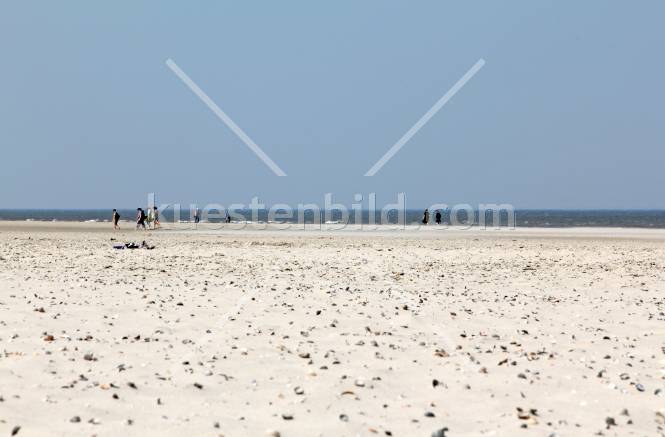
524	218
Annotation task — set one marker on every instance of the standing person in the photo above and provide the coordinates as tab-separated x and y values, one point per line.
426	217
156	217
140	218
196	216
437	217
150	219
115	218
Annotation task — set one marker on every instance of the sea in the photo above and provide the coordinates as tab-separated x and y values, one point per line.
542	218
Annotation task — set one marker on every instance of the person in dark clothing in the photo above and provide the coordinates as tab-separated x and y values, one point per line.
437	217
140	218
115	218
426	217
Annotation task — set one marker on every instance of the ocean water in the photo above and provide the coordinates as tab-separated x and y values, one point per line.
523	218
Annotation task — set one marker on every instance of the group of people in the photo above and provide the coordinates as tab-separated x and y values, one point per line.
437	217
197	216
151	218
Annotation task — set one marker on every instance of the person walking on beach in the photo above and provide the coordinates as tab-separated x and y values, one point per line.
437	217
150	218
115	218
140	218
196	216
155	217
426	217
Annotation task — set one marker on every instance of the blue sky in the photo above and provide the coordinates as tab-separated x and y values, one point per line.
566	113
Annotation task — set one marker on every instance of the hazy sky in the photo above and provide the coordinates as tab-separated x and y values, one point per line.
566	113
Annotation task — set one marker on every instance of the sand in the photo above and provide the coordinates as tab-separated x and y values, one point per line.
266	332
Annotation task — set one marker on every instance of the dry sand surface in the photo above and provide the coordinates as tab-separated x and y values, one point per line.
259	333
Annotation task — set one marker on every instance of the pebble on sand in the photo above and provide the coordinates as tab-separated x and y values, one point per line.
440	432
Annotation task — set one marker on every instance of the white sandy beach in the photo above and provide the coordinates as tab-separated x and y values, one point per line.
529	332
